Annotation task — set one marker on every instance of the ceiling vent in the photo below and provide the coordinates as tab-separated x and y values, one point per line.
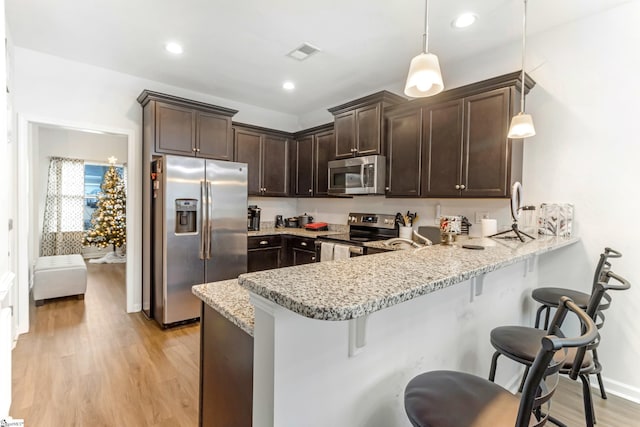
303	51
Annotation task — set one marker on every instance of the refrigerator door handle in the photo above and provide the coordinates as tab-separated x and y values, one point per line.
203	220
209	217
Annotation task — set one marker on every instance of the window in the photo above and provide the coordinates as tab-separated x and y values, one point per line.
93	176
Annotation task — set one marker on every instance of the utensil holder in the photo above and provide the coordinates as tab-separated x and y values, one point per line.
405	232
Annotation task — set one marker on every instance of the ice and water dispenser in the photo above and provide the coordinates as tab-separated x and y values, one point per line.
186	216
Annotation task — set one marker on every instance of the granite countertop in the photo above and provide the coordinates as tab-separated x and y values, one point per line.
230	300
347	289
267	231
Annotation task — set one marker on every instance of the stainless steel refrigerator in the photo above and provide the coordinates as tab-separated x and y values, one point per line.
199	232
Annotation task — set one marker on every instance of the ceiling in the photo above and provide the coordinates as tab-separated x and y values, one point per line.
236	49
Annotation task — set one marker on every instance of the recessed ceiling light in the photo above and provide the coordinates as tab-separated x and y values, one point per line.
288	85
465	20
174	48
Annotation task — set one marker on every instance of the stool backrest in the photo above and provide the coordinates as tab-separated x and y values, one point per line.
545	367
599	292
604	265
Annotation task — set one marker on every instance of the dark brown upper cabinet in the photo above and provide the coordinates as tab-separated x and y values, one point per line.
325	142
311	153
180	126
359	124
455	144
303	166
266	153
404	153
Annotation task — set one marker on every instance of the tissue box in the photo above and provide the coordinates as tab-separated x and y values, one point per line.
555	219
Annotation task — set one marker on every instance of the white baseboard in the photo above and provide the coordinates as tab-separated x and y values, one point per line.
625	391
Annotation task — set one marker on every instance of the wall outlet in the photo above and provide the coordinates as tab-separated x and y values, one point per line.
480	215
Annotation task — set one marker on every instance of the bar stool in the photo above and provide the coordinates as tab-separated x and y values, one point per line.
518	344
549	297
457	399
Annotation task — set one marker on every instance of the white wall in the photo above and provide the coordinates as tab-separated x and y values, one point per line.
586	152
60	142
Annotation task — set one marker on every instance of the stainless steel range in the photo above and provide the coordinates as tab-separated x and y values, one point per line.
363	228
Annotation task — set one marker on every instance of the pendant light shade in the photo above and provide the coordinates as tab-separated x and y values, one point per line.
424	78
522	124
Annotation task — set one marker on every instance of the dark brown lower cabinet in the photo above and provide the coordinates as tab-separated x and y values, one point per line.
226	372
264	253
303	257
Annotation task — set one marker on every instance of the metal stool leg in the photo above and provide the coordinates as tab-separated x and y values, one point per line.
603	393
589	414
546	318
524	378
494	365
538	313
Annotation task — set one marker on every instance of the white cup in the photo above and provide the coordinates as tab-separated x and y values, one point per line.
406	232
489	227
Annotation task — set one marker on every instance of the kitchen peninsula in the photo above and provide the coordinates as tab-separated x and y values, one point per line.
335	343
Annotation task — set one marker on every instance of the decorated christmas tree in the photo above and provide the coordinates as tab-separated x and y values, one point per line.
109	219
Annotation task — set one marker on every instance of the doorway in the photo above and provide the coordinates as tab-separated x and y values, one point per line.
29	179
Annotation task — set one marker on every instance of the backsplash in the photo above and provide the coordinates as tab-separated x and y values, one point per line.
335	210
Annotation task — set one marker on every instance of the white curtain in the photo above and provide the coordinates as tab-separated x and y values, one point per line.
62	231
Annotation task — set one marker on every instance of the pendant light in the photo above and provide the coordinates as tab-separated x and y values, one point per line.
522	124
425	78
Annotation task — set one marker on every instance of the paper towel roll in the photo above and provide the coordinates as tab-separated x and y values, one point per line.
489	227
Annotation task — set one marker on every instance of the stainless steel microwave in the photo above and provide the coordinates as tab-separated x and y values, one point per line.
357	175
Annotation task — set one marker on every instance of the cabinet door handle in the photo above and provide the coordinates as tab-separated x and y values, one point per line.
387	188
264	242
310	190
193	149
197	150
303	243
313	258
457	187
462	187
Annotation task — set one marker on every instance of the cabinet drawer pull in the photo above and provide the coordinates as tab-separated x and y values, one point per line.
303	243
264	242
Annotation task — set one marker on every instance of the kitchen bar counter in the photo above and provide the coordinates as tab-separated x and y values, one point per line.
267	335
348	289
230	300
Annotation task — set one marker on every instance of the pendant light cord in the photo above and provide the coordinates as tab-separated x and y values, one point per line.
524	45
425	35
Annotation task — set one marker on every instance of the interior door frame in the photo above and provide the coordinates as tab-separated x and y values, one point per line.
25	209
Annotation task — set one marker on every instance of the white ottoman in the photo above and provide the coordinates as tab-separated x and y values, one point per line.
59	276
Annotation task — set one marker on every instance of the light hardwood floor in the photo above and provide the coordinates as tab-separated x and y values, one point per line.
89	363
